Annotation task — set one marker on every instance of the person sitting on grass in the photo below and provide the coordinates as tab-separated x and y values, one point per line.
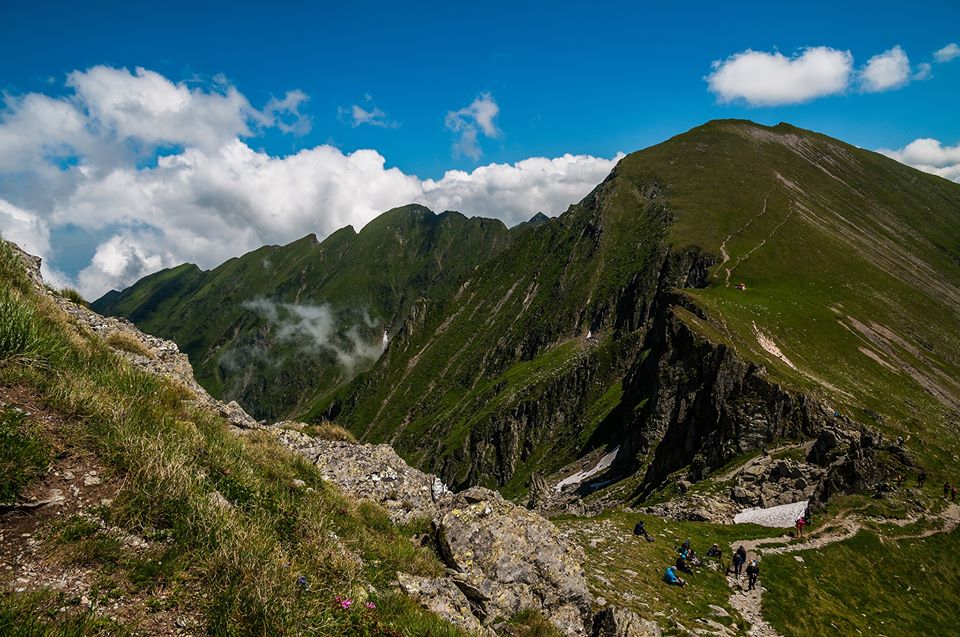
714	551
641	530
670	577
682	565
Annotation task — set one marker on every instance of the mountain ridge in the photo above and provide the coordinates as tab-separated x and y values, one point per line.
493	377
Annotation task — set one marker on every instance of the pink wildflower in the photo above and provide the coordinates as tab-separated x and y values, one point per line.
345	604
371	605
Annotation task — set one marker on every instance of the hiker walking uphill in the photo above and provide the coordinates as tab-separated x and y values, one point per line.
921	477
738	560
753	572
946	490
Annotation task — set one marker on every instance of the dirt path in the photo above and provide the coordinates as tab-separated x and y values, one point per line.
723	246
749	603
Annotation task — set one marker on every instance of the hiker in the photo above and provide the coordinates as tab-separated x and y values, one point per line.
899	441
714	551
946	490
800	524
738	559
670	577
641	530
753	572
683	566
921	477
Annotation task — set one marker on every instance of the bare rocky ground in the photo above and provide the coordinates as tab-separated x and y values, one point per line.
76	486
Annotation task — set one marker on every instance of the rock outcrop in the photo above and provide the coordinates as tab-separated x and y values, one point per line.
501	558
505	559
618	622
699	405
373	472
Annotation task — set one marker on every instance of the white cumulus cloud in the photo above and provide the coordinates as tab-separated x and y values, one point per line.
76	162
929	155
471	121
769	79
886	71
947	53
513	192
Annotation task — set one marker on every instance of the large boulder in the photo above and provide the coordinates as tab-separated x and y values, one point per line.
506	558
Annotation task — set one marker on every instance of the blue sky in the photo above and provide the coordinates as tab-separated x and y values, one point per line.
563	78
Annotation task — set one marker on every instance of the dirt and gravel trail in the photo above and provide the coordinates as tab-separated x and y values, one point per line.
749	603
723	246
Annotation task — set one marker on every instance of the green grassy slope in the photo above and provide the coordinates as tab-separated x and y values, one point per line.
851	263
355	285
867	585
234	567
852	268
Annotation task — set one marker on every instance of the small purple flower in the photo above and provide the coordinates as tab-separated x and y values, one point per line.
371	605
345	603
302	581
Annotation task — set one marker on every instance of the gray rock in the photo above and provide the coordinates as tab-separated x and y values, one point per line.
619	622
216	499
442	597
511	559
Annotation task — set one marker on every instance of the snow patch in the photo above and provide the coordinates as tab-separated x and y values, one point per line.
782	516
580	476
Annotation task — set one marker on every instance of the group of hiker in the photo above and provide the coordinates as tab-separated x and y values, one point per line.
753	568
950	490
686	559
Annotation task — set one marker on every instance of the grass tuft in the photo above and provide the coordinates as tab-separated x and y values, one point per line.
128	343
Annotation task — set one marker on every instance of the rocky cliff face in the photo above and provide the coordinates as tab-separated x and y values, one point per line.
704	405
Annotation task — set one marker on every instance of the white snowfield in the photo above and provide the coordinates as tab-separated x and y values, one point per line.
580	476
782	516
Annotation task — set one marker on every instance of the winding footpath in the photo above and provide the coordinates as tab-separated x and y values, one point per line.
723	246
748	603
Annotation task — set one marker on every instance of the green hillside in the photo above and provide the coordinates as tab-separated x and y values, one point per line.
283	325
851	268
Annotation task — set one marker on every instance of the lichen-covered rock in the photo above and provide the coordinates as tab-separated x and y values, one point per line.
373	472
442	597
619	622
508	559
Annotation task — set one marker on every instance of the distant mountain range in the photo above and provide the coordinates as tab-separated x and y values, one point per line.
717	292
